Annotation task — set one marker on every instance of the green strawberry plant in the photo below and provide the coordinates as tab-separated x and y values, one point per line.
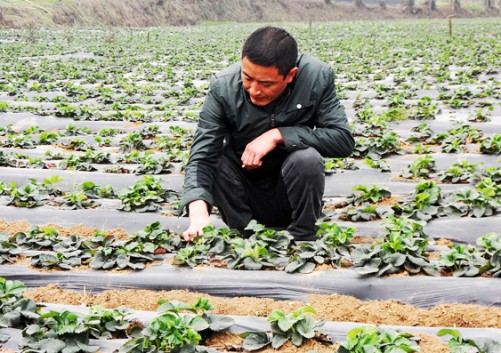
463	261
77	200
375	127
108	132
421	149
30	196
277	242
47	138
460	173
213	246
332	248
174	331
98	157
402	248
422	133
371	339
149	131
19	141
421	167
8	249
104	323
377	148
90	189
36	238
105	192
15	310
70	244
305	257
65	260
491	145
144	196
453	144
368	212
489	245
479	116
466	133
77	144
121	255
49	185
425	109
72	130
477	203
65	110
493	173
150	165
488	187
248	255
372	194
427	202
6	189
295	327
160	237
380	165
459	344
133	141
217	240
192	255
57	332
334	165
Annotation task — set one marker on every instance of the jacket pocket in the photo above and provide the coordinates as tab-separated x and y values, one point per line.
300	114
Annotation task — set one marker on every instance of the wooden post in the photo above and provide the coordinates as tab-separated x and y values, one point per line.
450	24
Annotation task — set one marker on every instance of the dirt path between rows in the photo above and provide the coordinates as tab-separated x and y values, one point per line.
330	308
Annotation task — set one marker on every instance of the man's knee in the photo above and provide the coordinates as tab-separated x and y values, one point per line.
307	162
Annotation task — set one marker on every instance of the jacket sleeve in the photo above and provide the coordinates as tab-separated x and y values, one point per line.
331	135
206	150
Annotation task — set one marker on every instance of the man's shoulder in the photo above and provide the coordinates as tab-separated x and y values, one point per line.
229	74
312	73
306	62
227	80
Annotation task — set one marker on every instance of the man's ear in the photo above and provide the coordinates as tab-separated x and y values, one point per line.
291	74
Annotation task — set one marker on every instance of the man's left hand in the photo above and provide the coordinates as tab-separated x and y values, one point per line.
260	147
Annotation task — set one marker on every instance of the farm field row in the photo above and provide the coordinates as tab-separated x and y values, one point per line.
95	130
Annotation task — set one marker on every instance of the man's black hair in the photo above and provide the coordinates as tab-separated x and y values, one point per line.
271	46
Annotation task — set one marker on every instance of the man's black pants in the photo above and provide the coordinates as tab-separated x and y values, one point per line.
294	201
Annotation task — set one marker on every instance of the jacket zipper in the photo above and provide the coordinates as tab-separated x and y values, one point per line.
272	116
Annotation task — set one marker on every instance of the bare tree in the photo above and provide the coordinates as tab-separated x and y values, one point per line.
409	6
359	3
456	6
489	5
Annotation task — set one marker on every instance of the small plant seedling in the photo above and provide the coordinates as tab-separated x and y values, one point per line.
371	339
295	327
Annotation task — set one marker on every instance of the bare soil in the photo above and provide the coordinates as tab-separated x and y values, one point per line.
81	230
331	308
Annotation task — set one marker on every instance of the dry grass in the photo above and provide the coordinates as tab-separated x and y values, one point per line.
144	13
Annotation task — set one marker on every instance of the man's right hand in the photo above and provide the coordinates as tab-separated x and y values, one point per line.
199	219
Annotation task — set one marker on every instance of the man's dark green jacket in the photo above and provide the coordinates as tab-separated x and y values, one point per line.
308	114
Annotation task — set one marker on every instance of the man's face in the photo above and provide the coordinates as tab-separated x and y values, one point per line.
264	83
